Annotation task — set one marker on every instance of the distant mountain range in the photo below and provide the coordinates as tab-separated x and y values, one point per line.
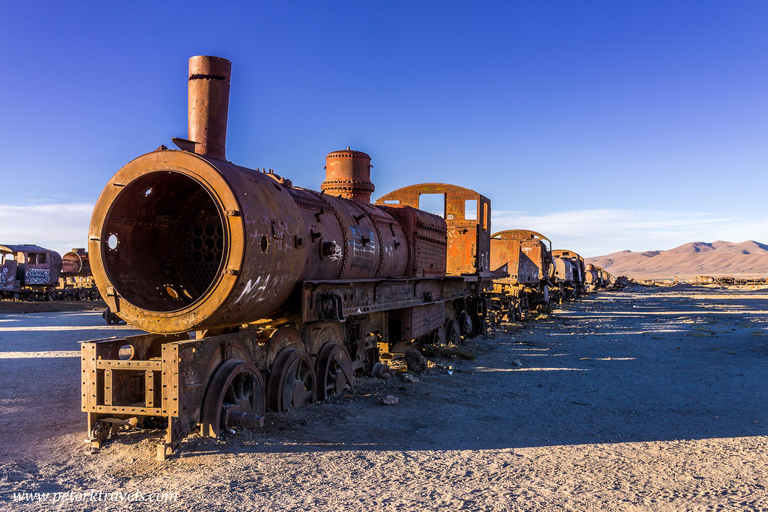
747	259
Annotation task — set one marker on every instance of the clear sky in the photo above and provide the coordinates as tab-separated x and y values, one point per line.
606	125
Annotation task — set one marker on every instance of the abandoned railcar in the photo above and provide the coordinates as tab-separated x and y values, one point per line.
528	257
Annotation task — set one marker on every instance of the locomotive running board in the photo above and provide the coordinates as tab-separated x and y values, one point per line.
334	301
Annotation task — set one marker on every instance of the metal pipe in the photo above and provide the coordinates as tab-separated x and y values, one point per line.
209	104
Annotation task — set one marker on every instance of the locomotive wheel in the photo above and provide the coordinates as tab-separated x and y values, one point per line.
334	371
453	332
481	325
512	312
467	325
282	338
82	294
235	397
291	381
494	319
438	337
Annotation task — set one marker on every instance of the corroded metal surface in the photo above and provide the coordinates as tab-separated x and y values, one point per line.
348	175
571	272
180	242
184	240
208	106
528	259
76	281
564	270
526	252
34	273
76	262
467	216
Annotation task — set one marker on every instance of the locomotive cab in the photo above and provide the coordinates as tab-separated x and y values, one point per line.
467	217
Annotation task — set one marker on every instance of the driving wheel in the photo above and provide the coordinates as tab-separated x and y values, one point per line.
334	371
235	397
291	381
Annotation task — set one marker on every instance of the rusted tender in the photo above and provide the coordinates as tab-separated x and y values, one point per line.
527	255
569	273
257	293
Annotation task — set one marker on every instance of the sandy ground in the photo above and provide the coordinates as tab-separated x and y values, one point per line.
648	399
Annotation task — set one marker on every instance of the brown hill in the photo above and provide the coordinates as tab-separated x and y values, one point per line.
745	259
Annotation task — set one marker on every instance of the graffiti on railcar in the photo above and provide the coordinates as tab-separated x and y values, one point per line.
5	282
38	276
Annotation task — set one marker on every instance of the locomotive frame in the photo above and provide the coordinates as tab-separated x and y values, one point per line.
211	381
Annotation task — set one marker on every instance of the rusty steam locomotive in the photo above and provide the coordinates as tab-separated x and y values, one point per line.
257	294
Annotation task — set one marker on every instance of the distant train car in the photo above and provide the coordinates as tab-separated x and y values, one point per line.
28	272
528	257
593	279
564	280
605	277
76	281
569	273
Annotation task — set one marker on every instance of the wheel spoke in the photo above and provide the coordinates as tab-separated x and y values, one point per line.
229	396
239	383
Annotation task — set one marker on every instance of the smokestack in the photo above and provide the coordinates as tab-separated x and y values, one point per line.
209	104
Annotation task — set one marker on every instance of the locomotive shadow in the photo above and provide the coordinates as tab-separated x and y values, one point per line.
494	408
593	375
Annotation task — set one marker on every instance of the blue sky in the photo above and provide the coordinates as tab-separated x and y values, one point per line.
606	125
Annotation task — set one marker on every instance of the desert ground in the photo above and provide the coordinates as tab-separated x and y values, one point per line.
643	399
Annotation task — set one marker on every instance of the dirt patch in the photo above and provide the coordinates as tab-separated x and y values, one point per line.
652	398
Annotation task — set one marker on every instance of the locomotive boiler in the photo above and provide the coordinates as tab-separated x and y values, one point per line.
256	293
